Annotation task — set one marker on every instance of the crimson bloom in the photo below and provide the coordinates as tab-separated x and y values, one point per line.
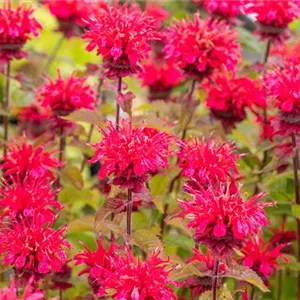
23	158
222	8
121	36
131	154
208	162
133	279
33	248
66	96
263	259
16	27
155	10
273	16
161	76
228	97
201	46
32	196
97	263
205	263
283	85
223	219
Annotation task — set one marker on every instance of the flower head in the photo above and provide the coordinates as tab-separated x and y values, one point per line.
23	158
16	27
121	36
222	8
134	279
263	259
283	85
155	10
161	76
66	96
131	154
201	46
229	97
273	16
97	263
33	247
205	264
32	196
223	219
208	162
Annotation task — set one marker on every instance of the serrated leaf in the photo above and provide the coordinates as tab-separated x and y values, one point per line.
73	175
222	294
159	204
296	210
84	223
191	269
86	116
243	273
158	184
146	239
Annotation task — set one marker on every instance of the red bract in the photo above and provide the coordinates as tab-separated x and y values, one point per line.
33	247
208	162
32	196
23	158
205	264
229	97
97	263
160	76
10	293
283	85
273	16
16	27
121	36
222	219
66	96
222	8
35	121
263	259
136	280
131	154
201	46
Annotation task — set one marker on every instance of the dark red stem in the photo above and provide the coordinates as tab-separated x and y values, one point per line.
129	211
117	104
6	107
215	280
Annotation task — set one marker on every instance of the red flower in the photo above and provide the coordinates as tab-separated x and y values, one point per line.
223	8
32	196
16	27
130	155
60	280
222	219
66	96
205	263
156	11
32	247
229	96
97	263
273	16
35	121
10	293
283	85
161	76
201	46
263	259
24	158
132	279
121	36
208	162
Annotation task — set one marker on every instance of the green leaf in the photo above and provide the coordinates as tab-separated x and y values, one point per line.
296	210
246	274
146	239
222	294
87	116
159	204
158	185
73	175
84	223
191	269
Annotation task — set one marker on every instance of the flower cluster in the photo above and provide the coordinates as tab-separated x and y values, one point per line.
228	97
201	46
127	277
223	219
283	87
17	25
224	8
121	36
66	96
130	155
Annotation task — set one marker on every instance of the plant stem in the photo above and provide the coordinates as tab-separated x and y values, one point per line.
62	145
117	104
129	212
215	279
279	292
53	54
6	107
297	198
252	293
